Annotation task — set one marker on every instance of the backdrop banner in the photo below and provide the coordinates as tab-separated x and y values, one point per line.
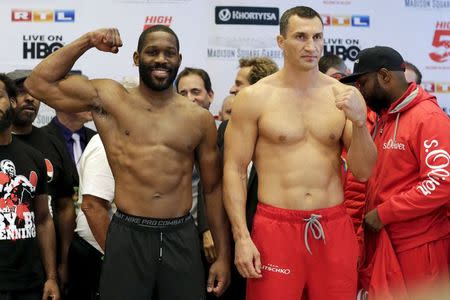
215	34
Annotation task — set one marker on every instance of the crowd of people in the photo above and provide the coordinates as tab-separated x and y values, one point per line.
320	183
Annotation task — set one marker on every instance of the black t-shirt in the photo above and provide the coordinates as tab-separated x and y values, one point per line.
22	178
58	163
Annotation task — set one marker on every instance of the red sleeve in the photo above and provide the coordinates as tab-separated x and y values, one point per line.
432	189
354	199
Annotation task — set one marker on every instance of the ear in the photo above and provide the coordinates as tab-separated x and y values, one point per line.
384	76
211	95
13	102
181	59
136	58
280	41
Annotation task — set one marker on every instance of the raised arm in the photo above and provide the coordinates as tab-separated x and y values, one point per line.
361	150
240	140
49	82
207	155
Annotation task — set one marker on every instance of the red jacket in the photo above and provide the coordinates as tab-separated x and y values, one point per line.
410	184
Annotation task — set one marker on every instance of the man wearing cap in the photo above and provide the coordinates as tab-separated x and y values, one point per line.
58	163
27	235
293	125
409	189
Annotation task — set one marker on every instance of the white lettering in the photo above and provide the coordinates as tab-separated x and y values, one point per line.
436	160
254	16
21	15
275	269
62	16
394	145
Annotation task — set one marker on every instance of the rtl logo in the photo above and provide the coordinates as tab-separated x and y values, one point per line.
157	20
43	15
354	21
436	87
441	41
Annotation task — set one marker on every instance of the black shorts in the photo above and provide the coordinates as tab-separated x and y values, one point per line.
31	294
148	258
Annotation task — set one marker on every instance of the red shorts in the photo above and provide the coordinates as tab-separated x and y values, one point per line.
426	267
324	261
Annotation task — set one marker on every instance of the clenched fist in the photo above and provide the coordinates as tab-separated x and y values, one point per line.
106	39
350	101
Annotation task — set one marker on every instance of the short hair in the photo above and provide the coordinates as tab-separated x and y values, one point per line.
412	67
260	67
152	29
199	72
10	87
300	11
332	61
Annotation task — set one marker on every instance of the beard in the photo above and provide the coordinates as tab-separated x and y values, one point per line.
378	100
23	118
6	119
156	84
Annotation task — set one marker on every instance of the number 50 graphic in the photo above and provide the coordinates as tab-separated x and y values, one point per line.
441	40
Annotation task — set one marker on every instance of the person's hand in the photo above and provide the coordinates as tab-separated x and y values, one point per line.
106	39
373	221
51	290
247	259
63	275
208	246
219	277
350	101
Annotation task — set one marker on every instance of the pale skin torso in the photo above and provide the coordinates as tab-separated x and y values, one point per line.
298	145
293	125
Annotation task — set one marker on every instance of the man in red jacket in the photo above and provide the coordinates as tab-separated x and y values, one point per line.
409	189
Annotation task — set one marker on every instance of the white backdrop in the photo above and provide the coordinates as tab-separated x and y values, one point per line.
211	39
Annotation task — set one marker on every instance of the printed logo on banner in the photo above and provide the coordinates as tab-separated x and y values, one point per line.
43	15
441	41
345	48
436	87
346	21
337	2
440	4
233	53
246	15
151	1
40	46
157	20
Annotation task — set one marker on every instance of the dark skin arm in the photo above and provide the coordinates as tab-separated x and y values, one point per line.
45	232
211	177
66	218
48	80
96	211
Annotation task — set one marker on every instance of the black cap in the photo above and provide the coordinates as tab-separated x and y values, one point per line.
373	59
19	75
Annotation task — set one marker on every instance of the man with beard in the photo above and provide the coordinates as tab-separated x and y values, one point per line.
152	137
58	163
27	236
409	189
293	125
